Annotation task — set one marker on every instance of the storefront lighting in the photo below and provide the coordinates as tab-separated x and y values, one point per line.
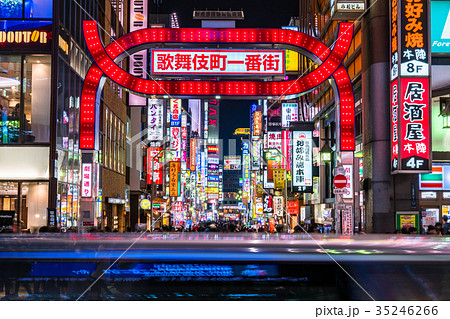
446	123
325	153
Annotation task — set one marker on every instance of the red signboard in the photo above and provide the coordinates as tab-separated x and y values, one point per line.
154	153
394	126
175	142
415	124
193	154
293	207
331	66
287	148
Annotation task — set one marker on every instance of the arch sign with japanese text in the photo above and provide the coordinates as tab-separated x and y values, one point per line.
177	64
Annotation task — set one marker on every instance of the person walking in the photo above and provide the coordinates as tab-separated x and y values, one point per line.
445	225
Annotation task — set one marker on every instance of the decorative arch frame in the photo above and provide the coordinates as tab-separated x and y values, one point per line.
106	59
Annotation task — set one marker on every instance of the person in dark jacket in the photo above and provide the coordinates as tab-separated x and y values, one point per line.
445	225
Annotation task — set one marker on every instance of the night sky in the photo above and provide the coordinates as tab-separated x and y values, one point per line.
257	14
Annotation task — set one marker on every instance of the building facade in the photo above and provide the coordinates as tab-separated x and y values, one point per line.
44	62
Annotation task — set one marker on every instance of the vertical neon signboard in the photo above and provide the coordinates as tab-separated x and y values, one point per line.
410	87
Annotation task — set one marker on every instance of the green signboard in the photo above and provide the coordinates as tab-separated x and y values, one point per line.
407	220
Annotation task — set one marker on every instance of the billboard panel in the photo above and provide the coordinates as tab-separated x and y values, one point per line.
175	112
232	162
175	169
302	149
155	119
289	113
138	61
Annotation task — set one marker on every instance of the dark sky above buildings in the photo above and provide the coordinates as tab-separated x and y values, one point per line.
257	14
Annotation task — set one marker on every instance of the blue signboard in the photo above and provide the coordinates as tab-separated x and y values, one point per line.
14	9
440	26
212	178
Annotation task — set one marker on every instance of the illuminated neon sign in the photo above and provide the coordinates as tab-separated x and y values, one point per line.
104	65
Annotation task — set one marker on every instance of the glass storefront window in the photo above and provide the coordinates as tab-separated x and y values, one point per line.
25	112
11	9
33	204
42	9
10	99
8	200
37	73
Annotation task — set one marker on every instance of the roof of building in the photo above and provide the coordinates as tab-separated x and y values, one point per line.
218	15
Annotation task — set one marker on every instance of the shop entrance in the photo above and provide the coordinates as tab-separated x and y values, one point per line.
26	201
429	217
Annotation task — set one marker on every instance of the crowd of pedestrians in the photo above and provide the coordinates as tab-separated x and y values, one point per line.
439	229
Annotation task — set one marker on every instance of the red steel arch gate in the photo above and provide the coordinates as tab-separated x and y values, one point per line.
105	60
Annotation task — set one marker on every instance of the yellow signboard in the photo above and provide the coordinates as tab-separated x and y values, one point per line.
279	177
242	131
145	204
291	60
212	190
175	168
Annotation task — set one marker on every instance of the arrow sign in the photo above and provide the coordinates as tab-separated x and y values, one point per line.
340	181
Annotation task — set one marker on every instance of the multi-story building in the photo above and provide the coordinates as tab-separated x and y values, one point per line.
378	193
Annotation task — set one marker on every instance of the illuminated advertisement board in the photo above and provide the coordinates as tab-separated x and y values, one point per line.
232	162
302	149
138	61
286	147
348	173
193	154
278	206
184	126
242	131
213	121
413	36
440	26
267	204
246	170
256	155
415	124
293	207
152	153
410	87
257	123
175	142
438	179
155	119
274	140
394	126
410	149
279	178
26	35
233	62
274	113
174	171
86	180
289	113
175	112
